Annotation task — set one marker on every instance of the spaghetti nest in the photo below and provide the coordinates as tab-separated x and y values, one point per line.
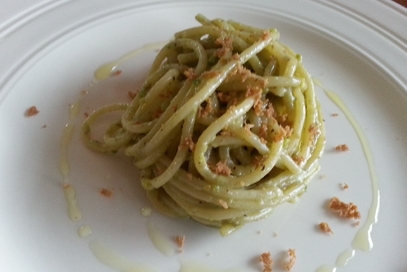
225	128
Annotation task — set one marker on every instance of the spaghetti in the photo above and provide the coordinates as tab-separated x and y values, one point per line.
225	128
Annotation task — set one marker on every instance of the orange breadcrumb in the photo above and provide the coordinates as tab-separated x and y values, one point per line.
291	262
288	131
243	72
344	210
256	93
263	131
236	56
325	227
270	112
342	147
258	161
281	118
267	262
226	43
298	159
106	192
221	168
210	74
31	111
280	136
188	142
190	74
229	98
223	97
180	241
313	131
283	133
265	35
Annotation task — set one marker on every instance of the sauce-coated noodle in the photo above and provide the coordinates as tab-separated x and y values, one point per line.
225	128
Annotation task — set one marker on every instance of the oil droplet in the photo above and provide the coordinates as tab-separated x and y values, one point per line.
84	231
363	240
200	267
228	229
67	135
146	211
326	268
115	261
161	243
106	70
74	212
345	256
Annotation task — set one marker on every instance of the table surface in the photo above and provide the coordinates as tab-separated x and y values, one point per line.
401	2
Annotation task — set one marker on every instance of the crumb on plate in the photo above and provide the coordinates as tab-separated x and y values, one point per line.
292	257
267	261
323	226
180	241
343	209
106	192
342	147
31	111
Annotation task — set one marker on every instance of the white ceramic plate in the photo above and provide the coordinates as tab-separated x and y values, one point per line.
49	57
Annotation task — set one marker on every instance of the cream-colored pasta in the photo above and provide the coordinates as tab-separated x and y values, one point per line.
225	128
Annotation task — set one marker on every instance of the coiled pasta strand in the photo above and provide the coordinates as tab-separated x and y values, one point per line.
226	127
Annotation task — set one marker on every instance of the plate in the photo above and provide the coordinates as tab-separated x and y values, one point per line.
49	58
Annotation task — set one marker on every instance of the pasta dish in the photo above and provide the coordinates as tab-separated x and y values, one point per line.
226	126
